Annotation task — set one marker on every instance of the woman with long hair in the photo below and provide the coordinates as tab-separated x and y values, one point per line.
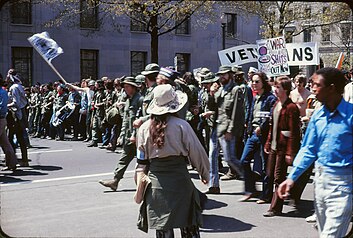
165	144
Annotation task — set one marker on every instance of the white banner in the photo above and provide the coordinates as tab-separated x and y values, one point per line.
305	53
238	55
45	46
273	56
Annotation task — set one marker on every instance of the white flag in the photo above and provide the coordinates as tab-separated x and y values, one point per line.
45	46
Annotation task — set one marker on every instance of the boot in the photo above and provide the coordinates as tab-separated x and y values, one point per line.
113	184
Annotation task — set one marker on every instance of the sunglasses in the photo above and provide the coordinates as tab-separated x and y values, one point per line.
255	81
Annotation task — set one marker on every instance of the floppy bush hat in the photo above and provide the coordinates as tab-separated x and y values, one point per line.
166	100
131	81
91	83
224	69
140	78
209	78
150	69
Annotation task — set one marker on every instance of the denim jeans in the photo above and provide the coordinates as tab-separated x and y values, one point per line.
229	149
213	158
252	145
333	202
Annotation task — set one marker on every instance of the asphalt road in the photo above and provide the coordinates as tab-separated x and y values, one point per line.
59	196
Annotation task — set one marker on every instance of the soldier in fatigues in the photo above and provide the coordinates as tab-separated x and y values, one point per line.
151	71
98	103
128	132
59	102
229	114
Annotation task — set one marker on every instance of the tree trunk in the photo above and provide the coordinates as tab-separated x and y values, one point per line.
154	40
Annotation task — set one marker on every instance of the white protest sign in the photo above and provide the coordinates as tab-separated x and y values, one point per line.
238	55
273	56
306	53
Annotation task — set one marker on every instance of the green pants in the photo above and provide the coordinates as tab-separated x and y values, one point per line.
129	152
97	129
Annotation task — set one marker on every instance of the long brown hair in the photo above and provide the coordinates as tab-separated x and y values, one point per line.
157	129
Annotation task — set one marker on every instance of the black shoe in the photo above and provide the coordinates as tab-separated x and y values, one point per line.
111	148
213	190
92	144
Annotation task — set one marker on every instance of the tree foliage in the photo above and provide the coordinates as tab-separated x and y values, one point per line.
158	17
278	15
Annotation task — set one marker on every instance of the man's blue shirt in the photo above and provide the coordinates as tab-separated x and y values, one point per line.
4	98
328	141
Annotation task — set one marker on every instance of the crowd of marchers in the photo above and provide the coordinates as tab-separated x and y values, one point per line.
250	124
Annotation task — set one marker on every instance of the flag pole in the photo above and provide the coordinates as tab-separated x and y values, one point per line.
340	61
56	71
51	66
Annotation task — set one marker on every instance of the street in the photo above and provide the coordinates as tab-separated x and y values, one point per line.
59	196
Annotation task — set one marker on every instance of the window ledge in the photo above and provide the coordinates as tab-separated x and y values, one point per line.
181	34
89	29
21	24
139	32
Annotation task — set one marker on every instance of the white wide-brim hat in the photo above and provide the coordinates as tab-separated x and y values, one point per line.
166	100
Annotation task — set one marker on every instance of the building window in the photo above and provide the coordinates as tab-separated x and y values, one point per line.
307	13
345	32
231	25
325	33
138	62
290	15
183	62
21	12
88	14
89	64
184	28
137	23
289	34
22	63
325	10
307	35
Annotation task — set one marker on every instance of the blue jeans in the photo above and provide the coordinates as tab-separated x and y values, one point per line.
213	158
252	146
230	154
333	202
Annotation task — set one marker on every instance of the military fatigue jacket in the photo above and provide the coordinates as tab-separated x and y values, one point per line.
47	103
59	101
230	116
146	102
208	104
98	98
132	110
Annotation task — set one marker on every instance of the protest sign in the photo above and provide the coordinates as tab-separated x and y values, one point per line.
238	55
273	56
305	53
